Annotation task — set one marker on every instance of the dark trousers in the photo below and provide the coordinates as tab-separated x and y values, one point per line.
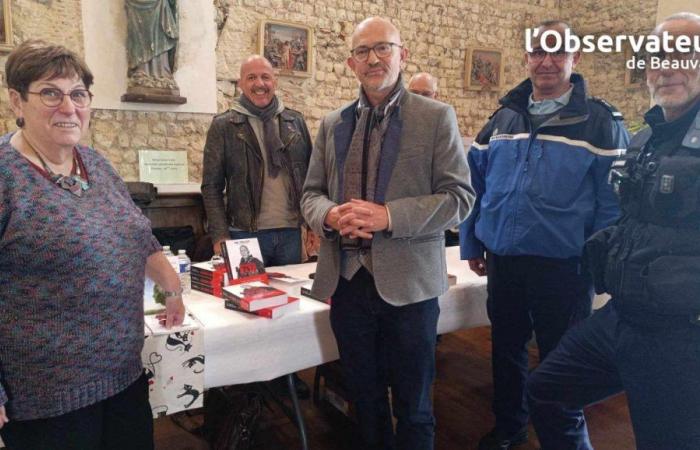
123	421
279	246
383	345
658	367
526	294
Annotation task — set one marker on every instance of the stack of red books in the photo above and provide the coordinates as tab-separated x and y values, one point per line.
258	298
208	278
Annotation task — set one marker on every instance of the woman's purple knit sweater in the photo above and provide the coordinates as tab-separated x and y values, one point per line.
71	287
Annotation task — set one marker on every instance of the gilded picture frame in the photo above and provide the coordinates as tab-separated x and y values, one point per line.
5	26
483	69
289	47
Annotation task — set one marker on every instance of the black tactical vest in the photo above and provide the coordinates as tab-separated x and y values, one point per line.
652	265
661	185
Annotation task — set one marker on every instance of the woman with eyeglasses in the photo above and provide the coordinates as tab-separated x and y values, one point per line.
73	253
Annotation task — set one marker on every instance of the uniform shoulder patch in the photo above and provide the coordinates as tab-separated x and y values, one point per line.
617	115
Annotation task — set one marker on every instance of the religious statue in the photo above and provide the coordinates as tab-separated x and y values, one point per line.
151	45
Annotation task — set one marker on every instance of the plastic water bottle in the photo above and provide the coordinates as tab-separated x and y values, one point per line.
185	267
172	258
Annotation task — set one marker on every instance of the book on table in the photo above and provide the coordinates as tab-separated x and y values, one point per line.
254	295
284	279
287	283
216	291
306	292
207	277
274	312
243	257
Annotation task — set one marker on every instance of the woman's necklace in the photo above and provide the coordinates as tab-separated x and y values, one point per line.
73	183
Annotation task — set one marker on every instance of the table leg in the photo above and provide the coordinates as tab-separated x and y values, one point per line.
297	411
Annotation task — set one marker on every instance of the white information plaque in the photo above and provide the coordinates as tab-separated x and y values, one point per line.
162	167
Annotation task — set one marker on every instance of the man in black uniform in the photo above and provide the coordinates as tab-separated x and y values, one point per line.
646	340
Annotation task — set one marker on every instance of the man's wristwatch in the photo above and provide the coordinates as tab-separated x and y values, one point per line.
171	294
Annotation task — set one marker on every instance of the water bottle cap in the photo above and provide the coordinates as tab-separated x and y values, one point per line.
181	252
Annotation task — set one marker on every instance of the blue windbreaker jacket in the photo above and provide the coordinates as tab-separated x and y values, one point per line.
543	193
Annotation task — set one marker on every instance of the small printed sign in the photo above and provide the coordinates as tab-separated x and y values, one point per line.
162	167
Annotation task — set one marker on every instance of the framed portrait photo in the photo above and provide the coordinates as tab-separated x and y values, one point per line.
483	69
288	46
634	77
5	26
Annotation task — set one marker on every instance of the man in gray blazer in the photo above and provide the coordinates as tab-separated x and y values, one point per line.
387	176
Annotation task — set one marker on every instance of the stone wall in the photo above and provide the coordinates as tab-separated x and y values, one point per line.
606	72
436	32
52	20
119	135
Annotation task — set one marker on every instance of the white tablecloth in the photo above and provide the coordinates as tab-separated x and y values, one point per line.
242	348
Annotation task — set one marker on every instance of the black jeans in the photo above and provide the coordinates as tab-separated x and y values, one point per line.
123	421
526	294
383	345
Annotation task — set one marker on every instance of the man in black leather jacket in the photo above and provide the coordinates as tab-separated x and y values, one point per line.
646	340
256	156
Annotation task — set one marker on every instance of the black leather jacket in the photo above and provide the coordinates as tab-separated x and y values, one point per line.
233	162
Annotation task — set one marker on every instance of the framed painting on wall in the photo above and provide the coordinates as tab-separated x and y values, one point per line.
288	46
634	77
483	69
5	26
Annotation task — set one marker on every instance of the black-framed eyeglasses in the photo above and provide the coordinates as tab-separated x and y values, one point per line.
381	49
53	97
539	54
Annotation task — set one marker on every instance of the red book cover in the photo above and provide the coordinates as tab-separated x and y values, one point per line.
274	312
208	289
246	269
207	272
254	295
215	282
208	276
243	257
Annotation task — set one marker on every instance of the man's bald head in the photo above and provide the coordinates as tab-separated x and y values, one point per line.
258	81
377	73
376	25
424	84
254	61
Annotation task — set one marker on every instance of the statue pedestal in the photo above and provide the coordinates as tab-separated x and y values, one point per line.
139	94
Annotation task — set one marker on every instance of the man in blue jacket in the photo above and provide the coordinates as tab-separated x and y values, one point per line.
540	171
646	340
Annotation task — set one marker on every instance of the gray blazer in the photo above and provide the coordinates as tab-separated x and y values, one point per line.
423	179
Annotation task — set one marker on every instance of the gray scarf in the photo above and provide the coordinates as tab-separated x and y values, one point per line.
271	138
362	163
